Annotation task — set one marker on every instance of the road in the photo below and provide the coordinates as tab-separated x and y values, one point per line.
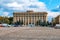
29	33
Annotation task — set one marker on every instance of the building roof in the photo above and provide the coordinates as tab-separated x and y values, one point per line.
31	12
58	16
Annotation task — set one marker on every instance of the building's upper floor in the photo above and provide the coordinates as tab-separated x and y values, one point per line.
30	13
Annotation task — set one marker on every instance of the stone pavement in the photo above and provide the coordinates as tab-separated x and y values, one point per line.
29	33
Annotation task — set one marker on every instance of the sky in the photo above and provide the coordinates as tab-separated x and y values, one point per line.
52	7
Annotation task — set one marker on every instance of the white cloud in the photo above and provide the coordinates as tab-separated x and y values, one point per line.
5	14
53	14
15	6
24	5
58	6
40	6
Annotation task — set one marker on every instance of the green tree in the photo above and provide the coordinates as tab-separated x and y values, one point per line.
10	20
1	19
19	22
4	20
44	23
39	22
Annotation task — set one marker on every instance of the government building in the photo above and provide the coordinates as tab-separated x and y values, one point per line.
29	17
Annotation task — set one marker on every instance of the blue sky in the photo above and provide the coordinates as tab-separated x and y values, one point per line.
51	3
52	7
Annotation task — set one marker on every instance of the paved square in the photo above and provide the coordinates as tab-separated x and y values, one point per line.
29	33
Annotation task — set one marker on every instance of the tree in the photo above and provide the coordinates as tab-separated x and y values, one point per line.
44	23
1	19
39	22
10	20
19	22
4	20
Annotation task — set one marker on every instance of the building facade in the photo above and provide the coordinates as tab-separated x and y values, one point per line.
57	20
29	17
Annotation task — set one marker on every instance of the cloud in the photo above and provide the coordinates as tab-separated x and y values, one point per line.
27	5
5	14
53	14
23	5
58	6
15	6
37	6
57	9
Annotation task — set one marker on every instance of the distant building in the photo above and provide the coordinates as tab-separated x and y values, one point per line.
29	17
57	20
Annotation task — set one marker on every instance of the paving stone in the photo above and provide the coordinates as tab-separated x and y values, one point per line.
29	33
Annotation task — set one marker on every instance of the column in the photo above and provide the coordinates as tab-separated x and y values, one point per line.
23	20
14	20
31	19
45	18
28	20
38	19
34	20
59	20
17	18
42	18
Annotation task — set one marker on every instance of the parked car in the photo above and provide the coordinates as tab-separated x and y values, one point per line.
5	25
1	25
57	26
